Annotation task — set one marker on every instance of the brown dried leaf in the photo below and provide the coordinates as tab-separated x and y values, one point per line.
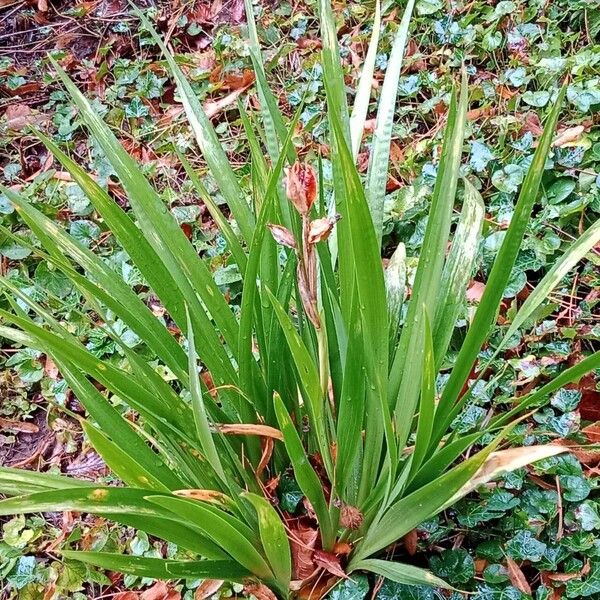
259	590
207	588
410	542
160	591
329	562
249	429
18	426
50	368
517	577
303	540
568	136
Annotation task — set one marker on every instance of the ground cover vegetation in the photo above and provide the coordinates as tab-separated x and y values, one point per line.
314	422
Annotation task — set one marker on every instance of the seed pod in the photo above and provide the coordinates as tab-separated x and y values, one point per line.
282	236
321	228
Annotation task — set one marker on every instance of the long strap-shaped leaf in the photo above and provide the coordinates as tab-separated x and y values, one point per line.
215	212
161	229
333	73
199	410
158	568
365	84
574	373
308	381
121	460
457	270
226	531
123	505
405	372
361	273
207	139
249	380
406	513
401	573
305	475
274	539
498	278
119	382
18	482
380	154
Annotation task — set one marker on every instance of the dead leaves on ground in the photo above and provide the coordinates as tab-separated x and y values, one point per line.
159	591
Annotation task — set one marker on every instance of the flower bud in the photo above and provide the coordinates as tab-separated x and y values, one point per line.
301	187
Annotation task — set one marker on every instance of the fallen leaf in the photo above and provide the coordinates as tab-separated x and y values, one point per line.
410	542
18	426
18	116
50	368
329	562
259	590
568	136
517	577
475	291
303	540
207	588
160	591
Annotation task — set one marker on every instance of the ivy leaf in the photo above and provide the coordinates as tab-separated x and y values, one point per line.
587	515
588	587
351	589
428	7
523	546
23	572
539	98
52	280
508	179
480	156
575	488
84	232
391	590
456	566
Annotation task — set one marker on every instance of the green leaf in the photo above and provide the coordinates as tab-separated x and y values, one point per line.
305	475
400	573
157	568
121	462
363	91
123	505
448	407
405	371
229	533
199	410
274	539
206	137
457	566
458	269
162	231
380	154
